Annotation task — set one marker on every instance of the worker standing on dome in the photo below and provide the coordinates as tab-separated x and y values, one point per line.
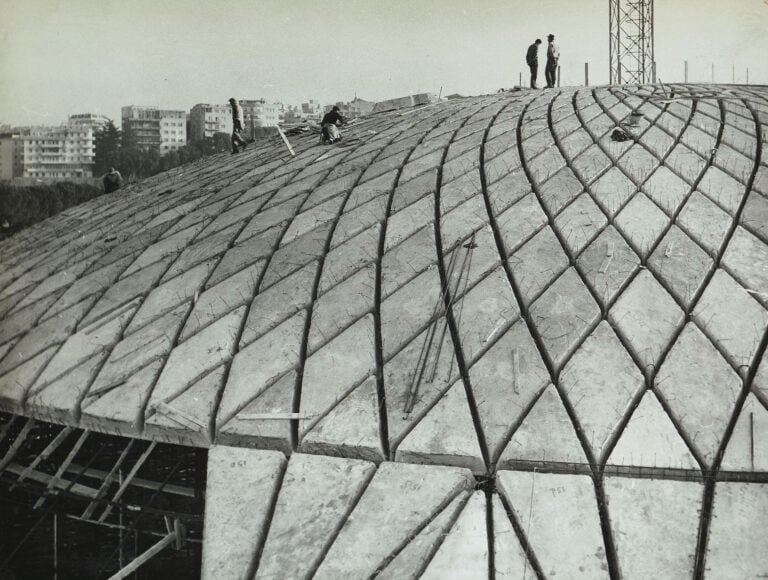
553	57
532	59
238	125
329	126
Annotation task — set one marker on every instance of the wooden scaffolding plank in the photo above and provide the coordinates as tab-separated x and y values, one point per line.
62	468
131	474
14	448
50	448
107	481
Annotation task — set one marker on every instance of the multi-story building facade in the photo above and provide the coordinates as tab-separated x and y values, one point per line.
90	119
153	128
143	126
293	114
173	130
205	120
353	109
260	113
59	152
312	110
11	154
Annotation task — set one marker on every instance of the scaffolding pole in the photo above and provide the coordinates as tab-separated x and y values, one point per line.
173	537
60	472
139	462
630	41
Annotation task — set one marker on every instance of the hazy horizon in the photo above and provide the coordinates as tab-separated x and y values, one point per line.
86	56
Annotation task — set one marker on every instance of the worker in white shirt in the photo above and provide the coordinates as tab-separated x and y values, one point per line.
553	56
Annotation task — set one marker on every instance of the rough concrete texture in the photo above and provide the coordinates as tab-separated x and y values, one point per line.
559	514
655	517
487	282
399	501
316	495
238	477
736	548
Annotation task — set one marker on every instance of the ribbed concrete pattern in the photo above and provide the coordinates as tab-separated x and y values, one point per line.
486	284
314	516
446	287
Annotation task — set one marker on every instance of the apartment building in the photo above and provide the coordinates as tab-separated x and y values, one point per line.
153	128
59	152
92	120
353	109
260	113
173	130
312	110
11	154
205	120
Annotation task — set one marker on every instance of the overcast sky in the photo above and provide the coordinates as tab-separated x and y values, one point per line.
59	57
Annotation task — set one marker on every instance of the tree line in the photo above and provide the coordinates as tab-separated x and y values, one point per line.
24	205
119	149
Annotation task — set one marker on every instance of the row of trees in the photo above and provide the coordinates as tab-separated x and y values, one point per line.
118	149
24	205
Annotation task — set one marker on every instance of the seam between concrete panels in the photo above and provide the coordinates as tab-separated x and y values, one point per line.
572	259
490	531
258	550
597	477
709	493
533	330
249	303
218	258
383	430
530	553
340	525
389	448
718	257
420	528
649	372
447	297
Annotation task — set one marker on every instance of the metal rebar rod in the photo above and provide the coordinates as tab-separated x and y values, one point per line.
426	346
470	253
436	358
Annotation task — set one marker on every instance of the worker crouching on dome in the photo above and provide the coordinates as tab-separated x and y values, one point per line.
330	126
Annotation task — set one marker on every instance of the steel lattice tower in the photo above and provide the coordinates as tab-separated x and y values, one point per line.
631	41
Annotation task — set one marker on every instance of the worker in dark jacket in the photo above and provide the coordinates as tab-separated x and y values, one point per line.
238	125
532	59
330	126
112	180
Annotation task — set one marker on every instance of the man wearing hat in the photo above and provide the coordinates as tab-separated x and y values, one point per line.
238	125
553	56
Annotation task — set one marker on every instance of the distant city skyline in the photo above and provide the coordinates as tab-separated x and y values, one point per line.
58	58
117	120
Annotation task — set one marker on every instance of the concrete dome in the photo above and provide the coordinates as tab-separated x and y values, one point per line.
491	286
